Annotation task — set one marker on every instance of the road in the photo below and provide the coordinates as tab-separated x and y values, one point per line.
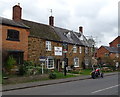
101	86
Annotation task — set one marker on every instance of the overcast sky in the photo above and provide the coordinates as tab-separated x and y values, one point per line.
98	17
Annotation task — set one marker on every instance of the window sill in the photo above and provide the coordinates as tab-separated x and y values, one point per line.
76	66
48	50
51	68
13	40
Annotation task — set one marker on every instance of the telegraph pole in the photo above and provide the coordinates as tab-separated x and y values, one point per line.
65	58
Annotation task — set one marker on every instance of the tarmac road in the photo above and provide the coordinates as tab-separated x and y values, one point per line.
101	86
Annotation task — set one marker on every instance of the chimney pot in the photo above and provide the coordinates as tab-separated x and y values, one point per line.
17	12
51	21
81	29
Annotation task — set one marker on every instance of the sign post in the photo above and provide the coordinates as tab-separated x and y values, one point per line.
42	68
42	59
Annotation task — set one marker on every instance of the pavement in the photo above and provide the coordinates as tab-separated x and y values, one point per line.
48	82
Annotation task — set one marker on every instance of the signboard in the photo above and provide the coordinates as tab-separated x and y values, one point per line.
65	48
58	51
42	58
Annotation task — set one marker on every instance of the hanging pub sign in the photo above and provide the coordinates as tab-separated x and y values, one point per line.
65	48
58	51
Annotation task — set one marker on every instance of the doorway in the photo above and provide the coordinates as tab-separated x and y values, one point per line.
58	66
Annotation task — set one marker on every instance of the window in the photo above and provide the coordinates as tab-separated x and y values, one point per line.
12	35
76	62
80	48
118	45
74	49
86	50
50	63
48	46
106	54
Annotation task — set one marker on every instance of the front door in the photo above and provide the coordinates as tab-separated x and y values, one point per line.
17	55
58	65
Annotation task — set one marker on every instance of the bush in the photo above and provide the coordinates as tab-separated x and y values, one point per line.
10	63
22	70
52	76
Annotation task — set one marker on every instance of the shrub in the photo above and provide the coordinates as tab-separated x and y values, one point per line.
10	63
52	76
22	70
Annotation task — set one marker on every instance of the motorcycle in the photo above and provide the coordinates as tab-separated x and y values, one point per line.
96	73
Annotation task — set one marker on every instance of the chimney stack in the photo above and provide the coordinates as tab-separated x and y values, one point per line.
17	12
51	21
81	29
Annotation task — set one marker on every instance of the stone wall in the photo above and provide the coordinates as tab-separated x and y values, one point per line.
36	48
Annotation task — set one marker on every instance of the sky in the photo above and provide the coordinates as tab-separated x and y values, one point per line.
99	18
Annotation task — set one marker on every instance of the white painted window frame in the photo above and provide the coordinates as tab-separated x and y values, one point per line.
74	49
48	63
78	62
48	46
80	49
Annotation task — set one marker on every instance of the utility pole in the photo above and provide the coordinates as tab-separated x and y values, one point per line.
65	64
65	58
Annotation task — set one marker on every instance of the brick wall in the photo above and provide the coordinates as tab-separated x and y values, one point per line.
16	45
101	52
115	42
36	48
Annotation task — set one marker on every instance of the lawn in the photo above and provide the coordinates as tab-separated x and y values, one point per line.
24	79
61	75
81	72
85	71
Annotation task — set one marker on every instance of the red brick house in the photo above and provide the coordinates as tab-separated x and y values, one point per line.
112	51
15	39
38	40
115	42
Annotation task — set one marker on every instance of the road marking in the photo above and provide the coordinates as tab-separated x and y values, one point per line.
105	88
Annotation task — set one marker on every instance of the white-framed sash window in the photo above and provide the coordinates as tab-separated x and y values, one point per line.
76	62
80	49
74	49
50	63
48	46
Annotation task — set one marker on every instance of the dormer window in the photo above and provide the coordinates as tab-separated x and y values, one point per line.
12	35
68	35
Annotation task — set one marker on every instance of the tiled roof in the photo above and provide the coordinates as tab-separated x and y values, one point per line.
53	33
112	49
48	32
74	38
41	30
8	22
68	36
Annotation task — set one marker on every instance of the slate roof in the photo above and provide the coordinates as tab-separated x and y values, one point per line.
41	30
83	39
8	22
53	33
48	32
112	49
68	36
